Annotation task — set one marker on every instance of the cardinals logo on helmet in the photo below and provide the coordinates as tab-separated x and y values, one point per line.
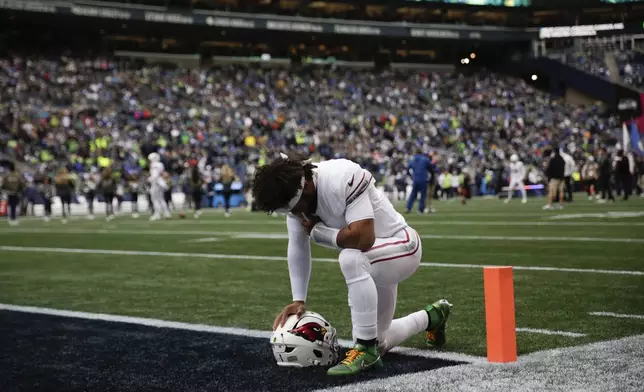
310	331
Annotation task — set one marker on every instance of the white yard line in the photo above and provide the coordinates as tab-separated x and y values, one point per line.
216	329
203	240
618	315
263	235
430	221
549	332
532	238
281	258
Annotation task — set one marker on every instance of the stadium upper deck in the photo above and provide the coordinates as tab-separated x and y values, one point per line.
517	13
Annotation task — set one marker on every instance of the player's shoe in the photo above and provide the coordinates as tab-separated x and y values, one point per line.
435	337
506	201
359	359
524	201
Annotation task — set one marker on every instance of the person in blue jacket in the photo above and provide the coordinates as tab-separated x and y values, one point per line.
420	168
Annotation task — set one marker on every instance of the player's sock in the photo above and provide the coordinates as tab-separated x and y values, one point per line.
367	343
403	328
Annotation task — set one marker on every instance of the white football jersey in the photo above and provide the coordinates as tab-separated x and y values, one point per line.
156	173
346	194
517	170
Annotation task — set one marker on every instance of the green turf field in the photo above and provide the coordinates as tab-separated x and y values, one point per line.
228	272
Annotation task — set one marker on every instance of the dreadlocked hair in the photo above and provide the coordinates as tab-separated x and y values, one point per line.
277	183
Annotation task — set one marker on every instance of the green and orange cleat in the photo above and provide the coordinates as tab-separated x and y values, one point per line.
435	335
359	359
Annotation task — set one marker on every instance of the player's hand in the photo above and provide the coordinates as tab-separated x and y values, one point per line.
308	221
297	307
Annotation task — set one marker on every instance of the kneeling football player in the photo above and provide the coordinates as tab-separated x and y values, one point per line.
336	204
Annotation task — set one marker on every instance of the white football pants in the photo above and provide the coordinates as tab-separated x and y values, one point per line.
514	183
372	279
158	201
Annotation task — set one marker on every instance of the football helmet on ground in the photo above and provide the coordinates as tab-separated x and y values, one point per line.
304	341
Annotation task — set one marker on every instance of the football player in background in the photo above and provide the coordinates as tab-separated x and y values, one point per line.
517	174
157	187
336	204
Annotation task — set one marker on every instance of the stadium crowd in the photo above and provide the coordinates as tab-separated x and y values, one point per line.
595	58
89	114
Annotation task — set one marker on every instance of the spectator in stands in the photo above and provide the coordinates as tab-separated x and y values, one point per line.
99	113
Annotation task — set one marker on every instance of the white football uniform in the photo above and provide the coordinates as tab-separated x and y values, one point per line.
157	188
345	194
517	174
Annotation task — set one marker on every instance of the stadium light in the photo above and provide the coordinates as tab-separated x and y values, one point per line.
466	61
534	77
472	55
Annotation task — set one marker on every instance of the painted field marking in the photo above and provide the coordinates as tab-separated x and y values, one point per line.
284	236
428	222
156	323
202	240
549	332
610	214
281	258
618	315
531	238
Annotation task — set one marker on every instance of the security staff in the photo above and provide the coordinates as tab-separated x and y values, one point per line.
419	168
